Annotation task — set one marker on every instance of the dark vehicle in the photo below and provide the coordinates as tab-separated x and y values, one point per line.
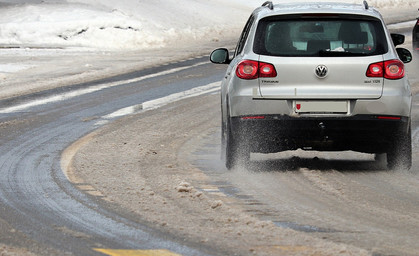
415	36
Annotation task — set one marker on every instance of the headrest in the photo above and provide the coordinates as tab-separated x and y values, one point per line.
350	33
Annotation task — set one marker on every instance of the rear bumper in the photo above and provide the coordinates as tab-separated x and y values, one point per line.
274	133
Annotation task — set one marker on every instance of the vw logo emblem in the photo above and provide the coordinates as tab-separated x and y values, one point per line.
321	71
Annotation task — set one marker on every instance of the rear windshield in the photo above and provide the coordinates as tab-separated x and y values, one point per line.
319	36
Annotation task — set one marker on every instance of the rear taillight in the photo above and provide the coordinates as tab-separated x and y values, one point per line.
391	69
247	69
266	70
394	69
250	69
376	70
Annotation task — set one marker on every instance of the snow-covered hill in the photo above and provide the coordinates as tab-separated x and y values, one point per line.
130	24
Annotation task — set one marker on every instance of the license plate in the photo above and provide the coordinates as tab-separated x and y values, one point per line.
335	107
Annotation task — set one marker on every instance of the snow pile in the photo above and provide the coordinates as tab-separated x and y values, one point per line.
130	24
62	25
393	4
123	25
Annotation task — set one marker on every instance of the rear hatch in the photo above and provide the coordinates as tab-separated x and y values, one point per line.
321	56
321	78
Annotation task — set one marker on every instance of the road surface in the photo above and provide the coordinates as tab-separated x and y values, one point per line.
154	181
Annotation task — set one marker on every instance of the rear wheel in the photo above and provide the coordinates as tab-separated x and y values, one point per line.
236	152
399	155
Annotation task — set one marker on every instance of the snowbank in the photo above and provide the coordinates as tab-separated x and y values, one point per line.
130	24
124	25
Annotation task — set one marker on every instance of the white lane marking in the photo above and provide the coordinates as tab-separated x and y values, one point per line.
69	95
153	104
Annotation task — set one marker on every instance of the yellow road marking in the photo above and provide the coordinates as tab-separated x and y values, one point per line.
137	252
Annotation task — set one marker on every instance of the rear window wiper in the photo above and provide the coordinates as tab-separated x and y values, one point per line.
329	53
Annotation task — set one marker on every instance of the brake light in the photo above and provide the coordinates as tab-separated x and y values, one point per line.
247	69
316	15
250	69
391	69
394	69
266	70
375	70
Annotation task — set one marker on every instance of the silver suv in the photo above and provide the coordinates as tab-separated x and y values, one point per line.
316	76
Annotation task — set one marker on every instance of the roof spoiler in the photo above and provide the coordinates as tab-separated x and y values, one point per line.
268	4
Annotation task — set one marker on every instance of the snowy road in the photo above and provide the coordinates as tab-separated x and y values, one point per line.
41	210
319	202
344	197
347	199
114	207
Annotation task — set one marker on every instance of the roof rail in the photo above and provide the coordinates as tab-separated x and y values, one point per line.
268	4
366	6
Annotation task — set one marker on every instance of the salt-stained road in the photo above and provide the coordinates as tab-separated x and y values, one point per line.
154	180
317	202
40	209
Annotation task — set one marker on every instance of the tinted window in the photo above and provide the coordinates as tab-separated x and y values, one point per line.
244	35
320	36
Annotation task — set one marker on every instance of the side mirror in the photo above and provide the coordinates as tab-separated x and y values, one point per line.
398	39
404	55
220	56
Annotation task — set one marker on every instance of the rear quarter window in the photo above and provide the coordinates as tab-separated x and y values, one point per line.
416	31
244	35
319	36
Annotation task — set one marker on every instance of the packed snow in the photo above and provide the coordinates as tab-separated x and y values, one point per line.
128	24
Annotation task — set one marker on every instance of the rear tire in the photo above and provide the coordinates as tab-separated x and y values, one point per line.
230	152
236	152
399	155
